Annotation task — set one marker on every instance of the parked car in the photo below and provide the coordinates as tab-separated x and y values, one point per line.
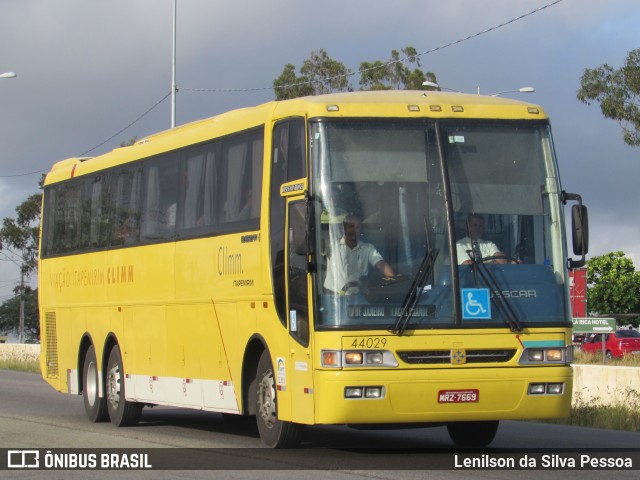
579	339
616	345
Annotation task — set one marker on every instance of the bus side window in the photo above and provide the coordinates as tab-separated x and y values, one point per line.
125	206
160	199
243	158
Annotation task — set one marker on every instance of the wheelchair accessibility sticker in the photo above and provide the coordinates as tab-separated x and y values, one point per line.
476	304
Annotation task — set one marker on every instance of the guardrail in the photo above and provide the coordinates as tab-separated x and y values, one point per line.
592	384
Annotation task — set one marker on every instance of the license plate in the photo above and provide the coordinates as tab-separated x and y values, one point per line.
458	396
635	352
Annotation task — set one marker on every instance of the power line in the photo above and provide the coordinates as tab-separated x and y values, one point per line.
131	124
385	65
324	80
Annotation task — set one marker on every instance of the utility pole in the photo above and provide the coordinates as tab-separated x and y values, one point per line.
21	326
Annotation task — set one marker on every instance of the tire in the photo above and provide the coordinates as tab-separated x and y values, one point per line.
94	405
122	413
472	434
274	433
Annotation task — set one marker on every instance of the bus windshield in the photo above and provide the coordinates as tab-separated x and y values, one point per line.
436	224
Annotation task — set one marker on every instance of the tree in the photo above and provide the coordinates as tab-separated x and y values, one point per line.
22	233
10	314
130	142
325	74
319	74
394	74
19	237
617	92
613	285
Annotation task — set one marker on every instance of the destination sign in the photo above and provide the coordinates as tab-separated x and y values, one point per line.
361	311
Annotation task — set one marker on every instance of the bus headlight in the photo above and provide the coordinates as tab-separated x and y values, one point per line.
546	388
357	358
555	354
353	358
364	392
547	356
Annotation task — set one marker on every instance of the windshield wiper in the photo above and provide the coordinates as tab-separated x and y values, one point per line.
510	317
415	292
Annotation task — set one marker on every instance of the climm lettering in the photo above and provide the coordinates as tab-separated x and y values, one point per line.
229	263
120	274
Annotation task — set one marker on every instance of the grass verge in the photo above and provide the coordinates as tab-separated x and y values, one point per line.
623	415
20	365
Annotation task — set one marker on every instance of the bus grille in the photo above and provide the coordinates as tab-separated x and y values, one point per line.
51	339
444	356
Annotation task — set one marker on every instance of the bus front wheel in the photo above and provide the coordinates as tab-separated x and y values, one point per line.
121	412
472	434
274	433
94	405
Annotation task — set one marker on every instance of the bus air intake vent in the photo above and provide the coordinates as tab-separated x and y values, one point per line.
432	357
51	339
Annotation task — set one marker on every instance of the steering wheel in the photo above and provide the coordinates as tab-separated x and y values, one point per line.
508	260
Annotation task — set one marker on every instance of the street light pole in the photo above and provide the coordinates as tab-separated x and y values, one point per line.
8	75
174	87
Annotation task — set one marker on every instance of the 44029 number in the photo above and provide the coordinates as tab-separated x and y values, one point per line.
458	396
369	342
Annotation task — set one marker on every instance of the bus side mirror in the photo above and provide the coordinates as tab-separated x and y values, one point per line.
580	227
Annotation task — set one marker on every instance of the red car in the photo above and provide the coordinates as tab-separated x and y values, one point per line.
616	345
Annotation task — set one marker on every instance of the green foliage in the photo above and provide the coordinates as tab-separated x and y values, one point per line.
21	235
22	232
321	74
394	74
10	315
617	92
130	142
613	284
325	74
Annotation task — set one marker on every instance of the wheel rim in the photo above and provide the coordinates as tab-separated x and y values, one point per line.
113	387
267	399
92	383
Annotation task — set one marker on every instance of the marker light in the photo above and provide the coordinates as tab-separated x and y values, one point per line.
331	358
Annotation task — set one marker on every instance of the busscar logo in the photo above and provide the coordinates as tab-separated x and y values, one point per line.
23	459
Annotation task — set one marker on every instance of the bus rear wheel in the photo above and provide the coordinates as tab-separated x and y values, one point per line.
472	434
274	433
94	405
122	412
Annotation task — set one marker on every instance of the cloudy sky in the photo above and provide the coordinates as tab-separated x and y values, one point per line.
87	69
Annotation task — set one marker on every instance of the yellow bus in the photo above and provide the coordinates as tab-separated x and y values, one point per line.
304	262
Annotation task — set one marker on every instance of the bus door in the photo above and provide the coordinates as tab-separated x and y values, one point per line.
300	361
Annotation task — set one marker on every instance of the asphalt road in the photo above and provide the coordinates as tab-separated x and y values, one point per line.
34	416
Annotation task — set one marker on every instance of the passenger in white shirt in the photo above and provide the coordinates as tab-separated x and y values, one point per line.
350	259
